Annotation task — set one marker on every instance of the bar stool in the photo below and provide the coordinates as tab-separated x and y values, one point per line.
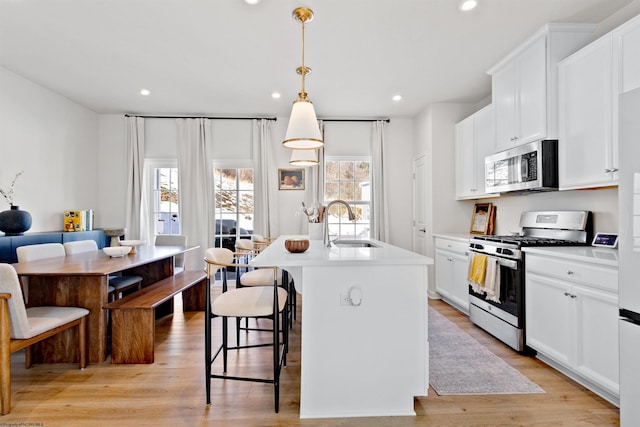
257	302
261	277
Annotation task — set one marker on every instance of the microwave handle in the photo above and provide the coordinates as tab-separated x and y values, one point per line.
524	171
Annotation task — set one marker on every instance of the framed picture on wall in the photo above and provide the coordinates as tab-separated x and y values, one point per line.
481	221
291	179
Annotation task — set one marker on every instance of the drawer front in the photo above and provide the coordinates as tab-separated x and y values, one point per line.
592	275
452	245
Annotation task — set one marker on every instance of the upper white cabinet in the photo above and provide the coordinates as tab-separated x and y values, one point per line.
626	40
587	150
475	139
590	82
525	84
465	166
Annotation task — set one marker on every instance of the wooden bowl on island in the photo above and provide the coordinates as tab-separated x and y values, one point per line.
296	246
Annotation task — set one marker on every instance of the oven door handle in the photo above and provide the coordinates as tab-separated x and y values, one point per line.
508	263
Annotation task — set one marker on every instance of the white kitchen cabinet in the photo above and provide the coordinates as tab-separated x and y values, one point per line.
465	160
590	82
452	269
524	84
626	40
587	149
475	139
572	319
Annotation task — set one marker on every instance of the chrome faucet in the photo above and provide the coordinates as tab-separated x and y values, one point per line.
352	217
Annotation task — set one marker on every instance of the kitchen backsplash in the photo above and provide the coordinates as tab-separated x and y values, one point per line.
603	203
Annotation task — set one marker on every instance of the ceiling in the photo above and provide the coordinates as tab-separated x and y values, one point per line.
225	57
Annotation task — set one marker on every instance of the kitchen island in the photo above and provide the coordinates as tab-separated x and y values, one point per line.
365	349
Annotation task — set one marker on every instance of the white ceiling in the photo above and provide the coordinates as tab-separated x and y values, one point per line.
224	57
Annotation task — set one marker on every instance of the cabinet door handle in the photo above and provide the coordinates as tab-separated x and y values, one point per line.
614	170
573	296
569	272
424	230
567	294
608	170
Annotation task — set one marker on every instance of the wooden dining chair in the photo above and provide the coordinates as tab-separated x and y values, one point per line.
256	302
21	327
118	284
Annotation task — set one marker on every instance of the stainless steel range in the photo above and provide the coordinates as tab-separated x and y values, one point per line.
505	319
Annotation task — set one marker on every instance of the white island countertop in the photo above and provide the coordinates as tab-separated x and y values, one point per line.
320	255
365	348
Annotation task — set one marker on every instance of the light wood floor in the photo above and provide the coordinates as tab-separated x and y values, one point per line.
170	392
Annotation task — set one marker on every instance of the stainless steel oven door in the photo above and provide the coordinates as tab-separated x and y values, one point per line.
511	294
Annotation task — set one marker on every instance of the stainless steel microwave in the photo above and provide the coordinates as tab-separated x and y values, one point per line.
527	167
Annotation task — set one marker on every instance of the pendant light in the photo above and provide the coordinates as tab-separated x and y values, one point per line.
304	158
303	132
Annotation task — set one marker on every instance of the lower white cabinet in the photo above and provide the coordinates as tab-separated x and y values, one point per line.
452	268
572	320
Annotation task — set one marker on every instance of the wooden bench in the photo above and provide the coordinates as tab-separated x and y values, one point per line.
133	317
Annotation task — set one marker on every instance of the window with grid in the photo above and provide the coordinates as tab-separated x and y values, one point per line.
165	200
234	207
348	179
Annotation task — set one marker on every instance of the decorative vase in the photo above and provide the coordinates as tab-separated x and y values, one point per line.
316	231
15	222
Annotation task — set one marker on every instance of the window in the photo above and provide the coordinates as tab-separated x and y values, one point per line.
348	180
165	200
234	205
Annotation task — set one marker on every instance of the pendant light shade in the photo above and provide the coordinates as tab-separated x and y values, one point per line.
303	132
304	158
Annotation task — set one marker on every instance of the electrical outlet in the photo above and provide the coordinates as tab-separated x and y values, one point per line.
344	299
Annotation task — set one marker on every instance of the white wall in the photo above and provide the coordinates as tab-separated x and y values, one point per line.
55	142
434	138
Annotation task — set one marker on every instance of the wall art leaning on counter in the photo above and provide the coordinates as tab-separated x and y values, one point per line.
483	219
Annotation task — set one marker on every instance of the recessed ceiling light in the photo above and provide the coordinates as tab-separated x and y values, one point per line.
252	2
145	92
275	95
467	5
397	98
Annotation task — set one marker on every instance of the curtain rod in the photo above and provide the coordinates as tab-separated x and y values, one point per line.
200	117
354	120
249	118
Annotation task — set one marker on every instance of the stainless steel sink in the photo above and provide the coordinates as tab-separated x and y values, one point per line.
354	243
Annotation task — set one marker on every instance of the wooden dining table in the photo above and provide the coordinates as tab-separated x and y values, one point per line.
80	280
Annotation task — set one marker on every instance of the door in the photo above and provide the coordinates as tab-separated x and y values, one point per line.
465	159
460	284
549	318
584	155
630	374
531	95
504	104
597	336
420	205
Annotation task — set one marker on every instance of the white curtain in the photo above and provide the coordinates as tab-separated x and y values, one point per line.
194	187
380	216
135	219
315	180
265	180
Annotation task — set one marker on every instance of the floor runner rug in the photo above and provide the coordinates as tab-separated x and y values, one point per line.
460	365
